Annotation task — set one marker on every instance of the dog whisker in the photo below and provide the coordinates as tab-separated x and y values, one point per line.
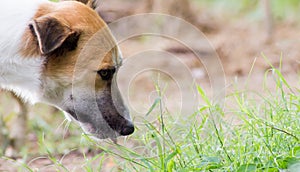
61	124
68	123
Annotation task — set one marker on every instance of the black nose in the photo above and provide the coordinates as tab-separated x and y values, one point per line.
127	130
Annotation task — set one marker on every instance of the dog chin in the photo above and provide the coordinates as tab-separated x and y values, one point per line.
91	131
97	135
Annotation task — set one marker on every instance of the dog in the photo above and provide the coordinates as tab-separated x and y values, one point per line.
63	54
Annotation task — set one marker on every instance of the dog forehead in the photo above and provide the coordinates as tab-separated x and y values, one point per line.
111	59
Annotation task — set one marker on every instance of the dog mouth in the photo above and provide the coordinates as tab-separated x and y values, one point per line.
105	118
90	130
104	128
72	114
96	134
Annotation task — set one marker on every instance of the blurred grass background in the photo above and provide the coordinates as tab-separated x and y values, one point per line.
281	9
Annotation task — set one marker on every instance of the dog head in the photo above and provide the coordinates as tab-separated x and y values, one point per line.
81	61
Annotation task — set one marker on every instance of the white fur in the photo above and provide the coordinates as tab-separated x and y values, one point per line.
22	75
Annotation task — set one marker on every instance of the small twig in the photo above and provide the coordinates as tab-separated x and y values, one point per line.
283	131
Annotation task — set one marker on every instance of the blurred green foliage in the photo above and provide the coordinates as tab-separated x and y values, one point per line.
281	9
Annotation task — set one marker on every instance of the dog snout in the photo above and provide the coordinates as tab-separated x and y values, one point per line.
127	129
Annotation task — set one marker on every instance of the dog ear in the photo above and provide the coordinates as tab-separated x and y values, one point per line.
51	34
91	3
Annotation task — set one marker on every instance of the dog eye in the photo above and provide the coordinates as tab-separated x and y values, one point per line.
106	74
103	73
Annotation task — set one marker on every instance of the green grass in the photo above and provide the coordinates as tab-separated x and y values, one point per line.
264	138
253	132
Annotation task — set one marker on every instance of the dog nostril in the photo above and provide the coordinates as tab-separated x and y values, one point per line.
127	130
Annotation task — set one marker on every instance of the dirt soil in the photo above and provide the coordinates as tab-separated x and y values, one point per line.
239	44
